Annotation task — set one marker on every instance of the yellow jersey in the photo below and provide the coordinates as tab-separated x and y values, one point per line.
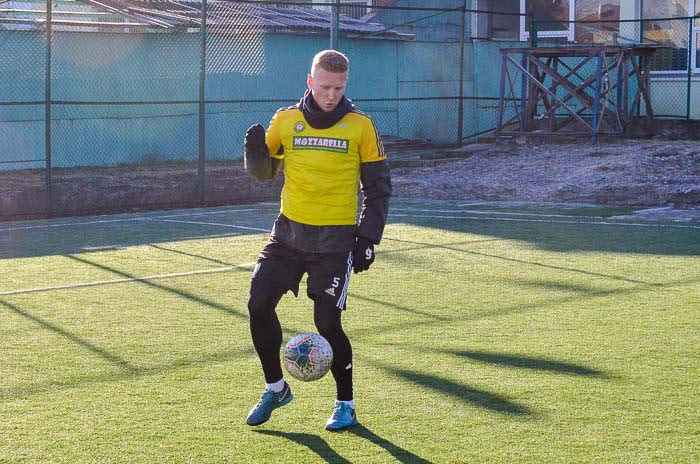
322	166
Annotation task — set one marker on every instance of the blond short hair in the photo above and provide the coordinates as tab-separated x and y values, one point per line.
331	61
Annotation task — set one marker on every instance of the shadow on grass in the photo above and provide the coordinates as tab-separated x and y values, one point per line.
78	235
36	388
521	261
386	304
467	394
319	446
126	369
315	443
182	293
563	234
428	246
524	362
111	358
191	255
401	455
462	315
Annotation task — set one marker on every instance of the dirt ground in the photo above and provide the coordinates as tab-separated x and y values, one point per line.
661	176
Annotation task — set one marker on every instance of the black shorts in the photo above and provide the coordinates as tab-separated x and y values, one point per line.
328	273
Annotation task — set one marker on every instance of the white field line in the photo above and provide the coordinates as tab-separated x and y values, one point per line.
549	221
68	224
129	279
208	224
205	213
140	218
504	213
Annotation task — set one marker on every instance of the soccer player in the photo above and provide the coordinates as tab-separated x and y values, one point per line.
329	149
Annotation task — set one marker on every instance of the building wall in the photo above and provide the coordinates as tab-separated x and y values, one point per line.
669	96
429	74
426	25
128	68
21	80
407	87
486	71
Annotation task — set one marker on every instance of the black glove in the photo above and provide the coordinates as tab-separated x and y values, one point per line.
255	139
362	255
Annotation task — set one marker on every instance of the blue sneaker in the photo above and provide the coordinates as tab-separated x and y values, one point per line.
342	418
269	401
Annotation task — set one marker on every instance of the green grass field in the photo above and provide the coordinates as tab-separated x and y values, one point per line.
482	334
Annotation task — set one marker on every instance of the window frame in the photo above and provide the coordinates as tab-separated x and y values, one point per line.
694	5
478	27
566	33
693	9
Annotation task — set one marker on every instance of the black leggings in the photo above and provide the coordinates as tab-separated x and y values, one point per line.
267	334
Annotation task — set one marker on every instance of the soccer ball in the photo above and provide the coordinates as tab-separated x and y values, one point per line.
308	356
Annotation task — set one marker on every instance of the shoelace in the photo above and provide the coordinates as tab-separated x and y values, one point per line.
266	394
339	408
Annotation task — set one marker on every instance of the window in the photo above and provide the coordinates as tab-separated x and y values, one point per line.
552	18
498	26
665	8
670	33
355	9
607	30
283	4
556	12
603	10
577	21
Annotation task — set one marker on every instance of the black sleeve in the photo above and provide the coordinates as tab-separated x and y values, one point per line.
375	183
260	164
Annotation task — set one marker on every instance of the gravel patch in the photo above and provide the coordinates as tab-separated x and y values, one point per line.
622	172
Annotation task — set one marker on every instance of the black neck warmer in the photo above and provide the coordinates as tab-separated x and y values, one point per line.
319	119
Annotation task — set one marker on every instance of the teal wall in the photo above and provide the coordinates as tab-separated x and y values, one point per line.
165	68
669	96
428	70
105	68
425	25
485	73
22	59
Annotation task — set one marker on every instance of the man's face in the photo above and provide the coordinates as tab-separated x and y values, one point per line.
327	88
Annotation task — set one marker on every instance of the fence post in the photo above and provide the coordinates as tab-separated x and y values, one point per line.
690	67
533	30
523	90
460	109
501	91
202	105
47	111
335	24
641	40
596	97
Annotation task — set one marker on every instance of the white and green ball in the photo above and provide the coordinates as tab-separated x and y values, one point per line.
308	356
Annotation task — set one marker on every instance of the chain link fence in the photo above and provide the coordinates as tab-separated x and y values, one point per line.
124	104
